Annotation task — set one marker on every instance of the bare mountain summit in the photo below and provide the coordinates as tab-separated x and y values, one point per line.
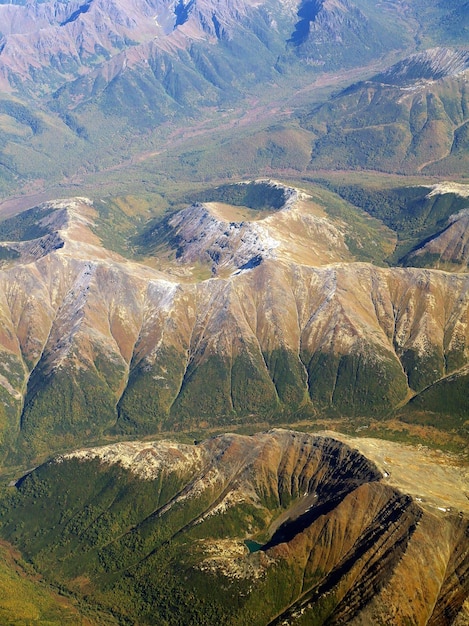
432	64
281	527
287	326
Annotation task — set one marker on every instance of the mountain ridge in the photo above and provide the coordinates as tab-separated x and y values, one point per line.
116	80
410	118
278	337
432	64
164	300
281	493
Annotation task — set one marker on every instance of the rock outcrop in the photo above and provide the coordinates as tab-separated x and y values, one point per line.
93	343
279	527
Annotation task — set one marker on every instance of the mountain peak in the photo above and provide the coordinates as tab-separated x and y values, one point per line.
432	64
64	224
69	39
241	513
237	227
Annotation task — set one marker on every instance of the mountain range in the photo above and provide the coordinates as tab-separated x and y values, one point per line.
410	118
287	323
234	312
88	86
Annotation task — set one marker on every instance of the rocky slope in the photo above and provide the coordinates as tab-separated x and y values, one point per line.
73	37
433	64
230	239
59	41
76	36
327	32
93	343
278	527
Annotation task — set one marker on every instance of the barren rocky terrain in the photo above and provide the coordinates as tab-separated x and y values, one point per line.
289	324
433	478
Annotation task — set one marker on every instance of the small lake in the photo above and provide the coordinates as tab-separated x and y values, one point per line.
253	546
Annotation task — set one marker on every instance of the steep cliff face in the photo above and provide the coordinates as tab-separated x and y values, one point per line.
278	527
333	33
94	343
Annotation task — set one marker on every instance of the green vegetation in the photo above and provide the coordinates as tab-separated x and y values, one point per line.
141	549
146	403
443	405
26	599
22	115
289	378
12	372
68	407
408	211
258	196
25	226
67	127
424	370
121	218
355	385
112	526
179	130
346	385
8	254
371	126
367	238
252	391
237	390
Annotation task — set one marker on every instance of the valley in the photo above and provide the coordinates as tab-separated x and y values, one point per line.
234	328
